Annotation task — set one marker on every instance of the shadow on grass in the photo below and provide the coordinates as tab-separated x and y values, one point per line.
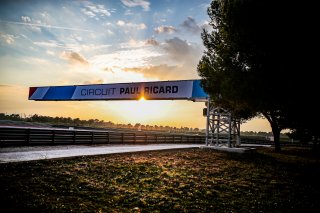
191	180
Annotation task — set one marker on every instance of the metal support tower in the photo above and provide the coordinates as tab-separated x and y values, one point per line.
222	128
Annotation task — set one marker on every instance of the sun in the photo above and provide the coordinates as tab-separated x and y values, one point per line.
142	110
142	98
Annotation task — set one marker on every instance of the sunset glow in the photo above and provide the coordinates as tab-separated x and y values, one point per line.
142	99
51	43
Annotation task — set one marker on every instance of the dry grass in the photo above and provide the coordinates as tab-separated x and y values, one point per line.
191	180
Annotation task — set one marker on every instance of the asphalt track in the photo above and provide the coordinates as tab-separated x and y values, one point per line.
29	153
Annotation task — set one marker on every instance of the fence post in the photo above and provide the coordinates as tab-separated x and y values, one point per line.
92	137
2	142
74	137
28	136
122	137
53	136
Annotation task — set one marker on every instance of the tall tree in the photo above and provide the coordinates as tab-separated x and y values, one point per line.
257	59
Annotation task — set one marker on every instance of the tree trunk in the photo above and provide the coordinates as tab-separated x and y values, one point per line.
275	130
316	144
276	138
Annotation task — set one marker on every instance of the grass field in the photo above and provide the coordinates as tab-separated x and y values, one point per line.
189	180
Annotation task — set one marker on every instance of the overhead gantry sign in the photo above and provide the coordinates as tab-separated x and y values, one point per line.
158	90
219	122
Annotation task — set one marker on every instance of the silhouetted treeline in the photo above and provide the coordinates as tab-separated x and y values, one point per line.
95	123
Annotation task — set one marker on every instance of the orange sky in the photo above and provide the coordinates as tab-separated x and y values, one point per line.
14	99
49	43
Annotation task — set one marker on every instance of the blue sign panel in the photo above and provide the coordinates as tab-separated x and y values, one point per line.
159	90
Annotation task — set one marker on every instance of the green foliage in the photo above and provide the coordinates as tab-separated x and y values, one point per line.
258	59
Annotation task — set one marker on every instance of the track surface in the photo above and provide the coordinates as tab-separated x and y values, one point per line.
17	154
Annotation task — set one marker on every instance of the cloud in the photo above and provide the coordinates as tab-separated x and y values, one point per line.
75	38
137	3
71	47
191	25
88	13
177	48
152	42
4	85
95	10
132	57
165	29
37	61
162	72
50	52
44	25
121	23
109	32
128	13
90	47
74	57
206	25
109	69
49	43
172	59
98	81
7	38
140	26
132	44
181	49
26	19
183	54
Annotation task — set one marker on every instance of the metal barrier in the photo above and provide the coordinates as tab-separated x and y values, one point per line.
13	136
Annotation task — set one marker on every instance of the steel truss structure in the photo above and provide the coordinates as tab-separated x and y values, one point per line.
222	128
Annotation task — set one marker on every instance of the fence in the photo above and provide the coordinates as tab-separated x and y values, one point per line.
10	136
256	140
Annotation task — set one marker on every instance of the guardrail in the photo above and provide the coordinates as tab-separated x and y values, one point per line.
255	140
12	136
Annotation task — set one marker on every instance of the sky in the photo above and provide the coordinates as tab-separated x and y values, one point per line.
68	42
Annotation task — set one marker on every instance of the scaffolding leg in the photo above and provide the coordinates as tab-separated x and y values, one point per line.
208	123
221	127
